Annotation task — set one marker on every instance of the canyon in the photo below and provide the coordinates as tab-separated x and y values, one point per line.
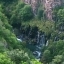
47	5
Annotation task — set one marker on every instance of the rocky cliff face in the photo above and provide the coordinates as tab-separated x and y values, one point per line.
34	4
47	4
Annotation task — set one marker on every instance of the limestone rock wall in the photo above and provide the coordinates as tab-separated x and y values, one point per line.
47	4
34	5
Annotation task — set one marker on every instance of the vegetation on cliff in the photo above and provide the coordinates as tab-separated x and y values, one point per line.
17	18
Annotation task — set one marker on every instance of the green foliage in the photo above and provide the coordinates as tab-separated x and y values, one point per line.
7	1
4	59
31	62
58	17
3	44
55	11
8	41
4	19
22	12
46	27
46	56
52	50
40	14
9	37
5	31
0	8
61	15
19	56
58	60
26	13
18	15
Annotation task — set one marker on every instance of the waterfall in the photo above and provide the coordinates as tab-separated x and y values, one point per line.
42	40
20	40
36	49
40	44
47	43
38	36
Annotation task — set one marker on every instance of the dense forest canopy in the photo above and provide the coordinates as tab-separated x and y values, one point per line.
29	39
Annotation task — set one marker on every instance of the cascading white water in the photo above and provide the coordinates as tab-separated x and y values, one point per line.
19	39
38	37
40	43
47	43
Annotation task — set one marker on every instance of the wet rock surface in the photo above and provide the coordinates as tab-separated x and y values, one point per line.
35	40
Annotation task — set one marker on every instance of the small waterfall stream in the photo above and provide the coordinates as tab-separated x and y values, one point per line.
40	44
40	40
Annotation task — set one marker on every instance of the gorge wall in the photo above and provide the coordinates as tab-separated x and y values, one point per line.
48	6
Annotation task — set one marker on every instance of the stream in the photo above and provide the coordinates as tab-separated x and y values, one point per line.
40	43
38	47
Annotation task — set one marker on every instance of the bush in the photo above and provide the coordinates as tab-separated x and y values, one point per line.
18	55
40	14
31	62
22	13
4	59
